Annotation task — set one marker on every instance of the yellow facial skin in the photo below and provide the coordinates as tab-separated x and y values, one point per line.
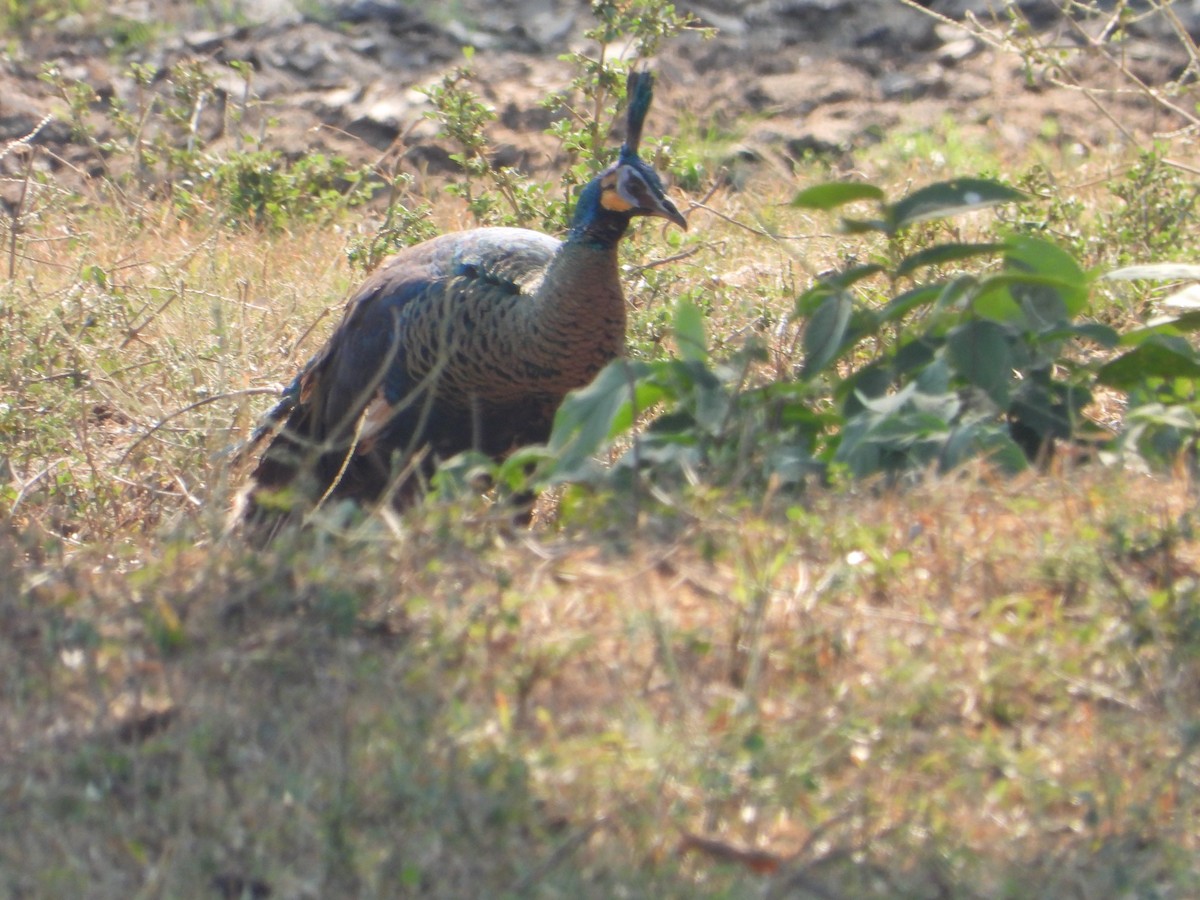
610	197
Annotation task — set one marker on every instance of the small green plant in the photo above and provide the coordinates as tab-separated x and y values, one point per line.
502	195
966	362
21	16
1159	370
953	365
1157	213
495	195
404	223
261	188
637	30
156	144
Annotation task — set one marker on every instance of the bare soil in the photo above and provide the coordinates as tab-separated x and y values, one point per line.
828	78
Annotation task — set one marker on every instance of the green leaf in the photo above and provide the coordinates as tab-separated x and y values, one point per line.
1097	332
810	300
1181	324
819	293
943	403
513	471
454	477
704	392
1156	272
95	275
887	404
1049	266
934	378
690	338
909	427
1159	432
902	304
949	198
1037	302
979	351
834	194
825	332
1172	416
914	354
591	416
863	226
1184	300
955	290
994	301
944	253
1159	356
843	279
987	439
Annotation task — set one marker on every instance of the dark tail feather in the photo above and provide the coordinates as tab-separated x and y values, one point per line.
281	474
270	423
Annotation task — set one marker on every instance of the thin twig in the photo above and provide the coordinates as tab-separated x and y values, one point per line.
525	885
1061	78
135	331
24	141
655	263
247	392
1182	166
692	204
15	217
31	482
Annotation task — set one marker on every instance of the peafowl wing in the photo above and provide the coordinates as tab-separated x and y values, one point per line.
421	359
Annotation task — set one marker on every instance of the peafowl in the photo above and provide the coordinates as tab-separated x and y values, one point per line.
466	341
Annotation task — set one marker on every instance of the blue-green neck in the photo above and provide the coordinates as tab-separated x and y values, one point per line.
594	225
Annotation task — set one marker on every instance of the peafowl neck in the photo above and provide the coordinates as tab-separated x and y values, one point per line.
562	326
576	323
580	313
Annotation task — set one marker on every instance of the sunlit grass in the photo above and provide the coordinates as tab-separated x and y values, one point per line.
971	687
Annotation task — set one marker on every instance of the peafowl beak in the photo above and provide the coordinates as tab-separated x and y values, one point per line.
666	209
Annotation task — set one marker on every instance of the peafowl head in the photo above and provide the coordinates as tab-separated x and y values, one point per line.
630	186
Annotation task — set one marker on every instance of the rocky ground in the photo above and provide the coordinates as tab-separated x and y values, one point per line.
828	76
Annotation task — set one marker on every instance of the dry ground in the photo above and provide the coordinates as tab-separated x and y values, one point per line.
976	687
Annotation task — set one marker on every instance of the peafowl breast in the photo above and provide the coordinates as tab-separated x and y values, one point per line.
466	341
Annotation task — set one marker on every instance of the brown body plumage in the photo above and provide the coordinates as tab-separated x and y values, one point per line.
466	341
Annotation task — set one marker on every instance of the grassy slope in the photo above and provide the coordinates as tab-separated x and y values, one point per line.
971	688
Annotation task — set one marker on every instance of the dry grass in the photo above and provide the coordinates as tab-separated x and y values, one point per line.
982	689
969	688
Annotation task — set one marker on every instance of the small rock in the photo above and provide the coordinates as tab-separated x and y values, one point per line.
901	86
957	51
307	58
431	158
509	156
551	28
471	37
815	84
207	41
377	134
728	25
389	11
968	86
520	117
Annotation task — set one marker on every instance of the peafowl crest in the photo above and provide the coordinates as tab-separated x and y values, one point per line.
466	341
